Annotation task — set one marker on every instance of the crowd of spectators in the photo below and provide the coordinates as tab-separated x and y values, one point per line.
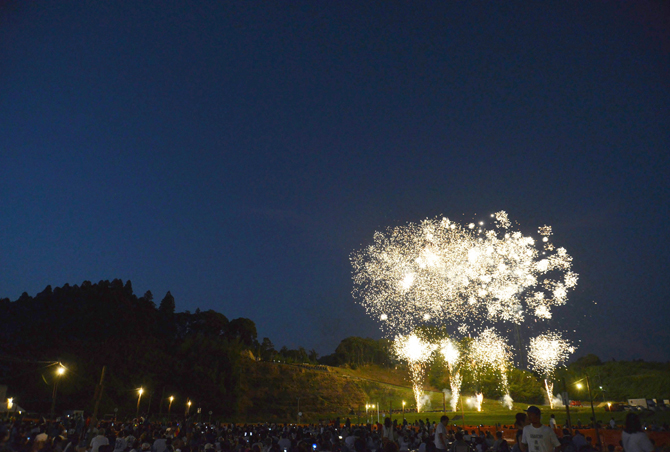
139	435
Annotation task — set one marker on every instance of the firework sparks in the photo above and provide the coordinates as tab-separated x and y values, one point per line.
452	356
441	271
417	353
491	351
545	353
476	401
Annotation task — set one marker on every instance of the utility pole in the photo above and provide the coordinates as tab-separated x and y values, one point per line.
97	397
566	401
593	412
160	404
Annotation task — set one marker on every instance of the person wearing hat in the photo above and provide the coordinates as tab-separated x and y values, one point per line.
537	437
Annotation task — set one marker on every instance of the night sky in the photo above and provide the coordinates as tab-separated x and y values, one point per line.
237	153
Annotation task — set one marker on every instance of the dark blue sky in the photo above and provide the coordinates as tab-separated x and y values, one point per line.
237	153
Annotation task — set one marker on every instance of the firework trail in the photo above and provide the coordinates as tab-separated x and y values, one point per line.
449	350
545	353
491	351
417	353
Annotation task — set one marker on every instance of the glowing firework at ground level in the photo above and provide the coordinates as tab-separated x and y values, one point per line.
455	382
452	356
545	353
491	351
417	353
476	401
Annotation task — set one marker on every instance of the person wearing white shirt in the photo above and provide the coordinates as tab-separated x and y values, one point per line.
441	441
537	437
100	440
633	438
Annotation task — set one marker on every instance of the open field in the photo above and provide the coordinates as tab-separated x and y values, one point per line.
372	385
389	388
503	416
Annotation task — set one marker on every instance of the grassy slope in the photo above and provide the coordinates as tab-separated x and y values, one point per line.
272	391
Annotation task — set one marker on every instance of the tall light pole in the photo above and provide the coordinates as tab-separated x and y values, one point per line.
593	411
59	373
170	405
403	410
139	396
188	407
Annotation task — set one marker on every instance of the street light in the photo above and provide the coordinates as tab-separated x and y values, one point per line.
188	407
593	411
139	396
170	405
403	410
59	373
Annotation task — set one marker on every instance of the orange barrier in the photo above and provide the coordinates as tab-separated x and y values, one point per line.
607	437
614	436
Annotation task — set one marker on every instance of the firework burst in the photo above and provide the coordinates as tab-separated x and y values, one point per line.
439	271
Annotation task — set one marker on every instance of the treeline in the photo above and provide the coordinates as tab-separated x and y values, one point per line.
195	356
620	380
357	351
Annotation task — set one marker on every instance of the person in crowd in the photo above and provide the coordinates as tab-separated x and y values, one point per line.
537	437
121	444
388	430
284	443
480	444
633	438
441	442
99	440
460	445
489	439
552	422
71	443
160	444
500	444
578	440
520	421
